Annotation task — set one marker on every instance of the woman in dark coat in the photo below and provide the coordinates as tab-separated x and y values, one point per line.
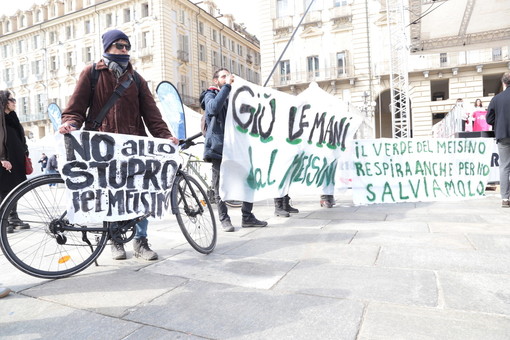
13	148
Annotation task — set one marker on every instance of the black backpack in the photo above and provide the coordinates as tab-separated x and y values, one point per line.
203	123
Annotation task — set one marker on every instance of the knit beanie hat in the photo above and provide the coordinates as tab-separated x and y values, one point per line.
112	36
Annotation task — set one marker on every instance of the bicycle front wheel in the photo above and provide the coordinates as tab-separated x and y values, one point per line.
45	245
194	213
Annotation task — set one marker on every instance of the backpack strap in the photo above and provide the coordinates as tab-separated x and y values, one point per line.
96	124
94	76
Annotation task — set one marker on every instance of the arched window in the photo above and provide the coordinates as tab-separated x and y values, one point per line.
38	16
8	26
23	21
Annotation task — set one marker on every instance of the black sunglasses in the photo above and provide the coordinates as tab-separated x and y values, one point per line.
121	46
12	100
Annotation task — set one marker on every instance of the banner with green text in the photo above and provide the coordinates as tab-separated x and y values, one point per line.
274	141
411	170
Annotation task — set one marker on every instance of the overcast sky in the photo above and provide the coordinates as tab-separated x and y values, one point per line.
244	11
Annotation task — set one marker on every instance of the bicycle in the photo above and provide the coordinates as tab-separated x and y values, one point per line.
194	166
55	248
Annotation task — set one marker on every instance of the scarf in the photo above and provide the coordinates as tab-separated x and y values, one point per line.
117	63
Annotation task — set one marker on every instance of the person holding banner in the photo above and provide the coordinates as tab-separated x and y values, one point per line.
13	149
215	102
130	113
498	115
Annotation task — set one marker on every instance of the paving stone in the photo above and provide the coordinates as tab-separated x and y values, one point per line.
416	226
488	293
241	271
386	321
321	278
433	240
23	317
436	217
470	228
444	259
220	311
157	333
493	242
109	293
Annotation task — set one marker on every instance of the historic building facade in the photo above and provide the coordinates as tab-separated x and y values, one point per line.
44	49
456	49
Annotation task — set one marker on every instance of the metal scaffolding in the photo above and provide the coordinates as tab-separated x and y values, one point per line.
399	79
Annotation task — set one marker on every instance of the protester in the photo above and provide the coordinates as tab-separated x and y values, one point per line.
498	115
215	102
130	114
43	161
283	208
13	149
479	117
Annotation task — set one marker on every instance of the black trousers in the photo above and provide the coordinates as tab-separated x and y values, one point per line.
222	207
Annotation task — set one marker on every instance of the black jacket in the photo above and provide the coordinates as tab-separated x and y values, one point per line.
498	114
216	104
16	150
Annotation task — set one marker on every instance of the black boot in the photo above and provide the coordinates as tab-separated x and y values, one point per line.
327	201
15	222
278	208
287	206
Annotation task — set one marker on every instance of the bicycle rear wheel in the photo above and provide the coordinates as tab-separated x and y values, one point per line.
47	249
194	213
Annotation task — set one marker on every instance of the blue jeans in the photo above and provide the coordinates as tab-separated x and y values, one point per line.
141	229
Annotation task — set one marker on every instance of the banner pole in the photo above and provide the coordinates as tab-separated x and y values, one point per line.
288	43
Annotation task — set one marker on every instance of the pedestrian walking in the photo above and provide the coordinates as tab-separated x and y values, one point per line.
498	115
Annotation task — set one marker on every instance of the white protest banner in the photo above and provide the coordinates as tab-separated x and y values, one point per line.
113	177
274	140
412	170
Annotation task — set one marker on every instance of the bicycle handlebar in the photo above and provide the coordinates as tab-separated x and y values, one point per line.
186	143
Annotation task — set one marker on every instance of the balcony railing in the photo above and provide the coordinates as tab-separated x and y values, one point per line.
316	75
30	118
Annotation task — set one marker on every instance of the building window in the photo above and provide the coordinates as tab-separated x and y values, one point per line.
88	26
126	15
38	16
215	59
183	52
313	66
439	89
145	9
443	59
37	69
23	105
21	46
7	26
224	41
338	3
215	35
52	37
145	39
108	20
496	54
201	52
70	58
224	61
182	16
201	27
69	32
240	50
23	71
36	41
53	63
341	64
41	107
282	8
284	71
23	21
87	54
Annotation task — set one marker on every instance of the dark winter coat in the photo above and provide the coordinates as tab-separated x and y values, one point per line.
16	149
127	115
498	114
216	104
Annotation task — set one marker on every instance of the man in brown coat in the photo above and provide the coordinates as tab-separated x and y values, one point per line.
135	107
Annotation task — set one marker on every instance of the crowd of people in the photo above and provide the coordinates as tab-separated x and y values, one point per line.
135	111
